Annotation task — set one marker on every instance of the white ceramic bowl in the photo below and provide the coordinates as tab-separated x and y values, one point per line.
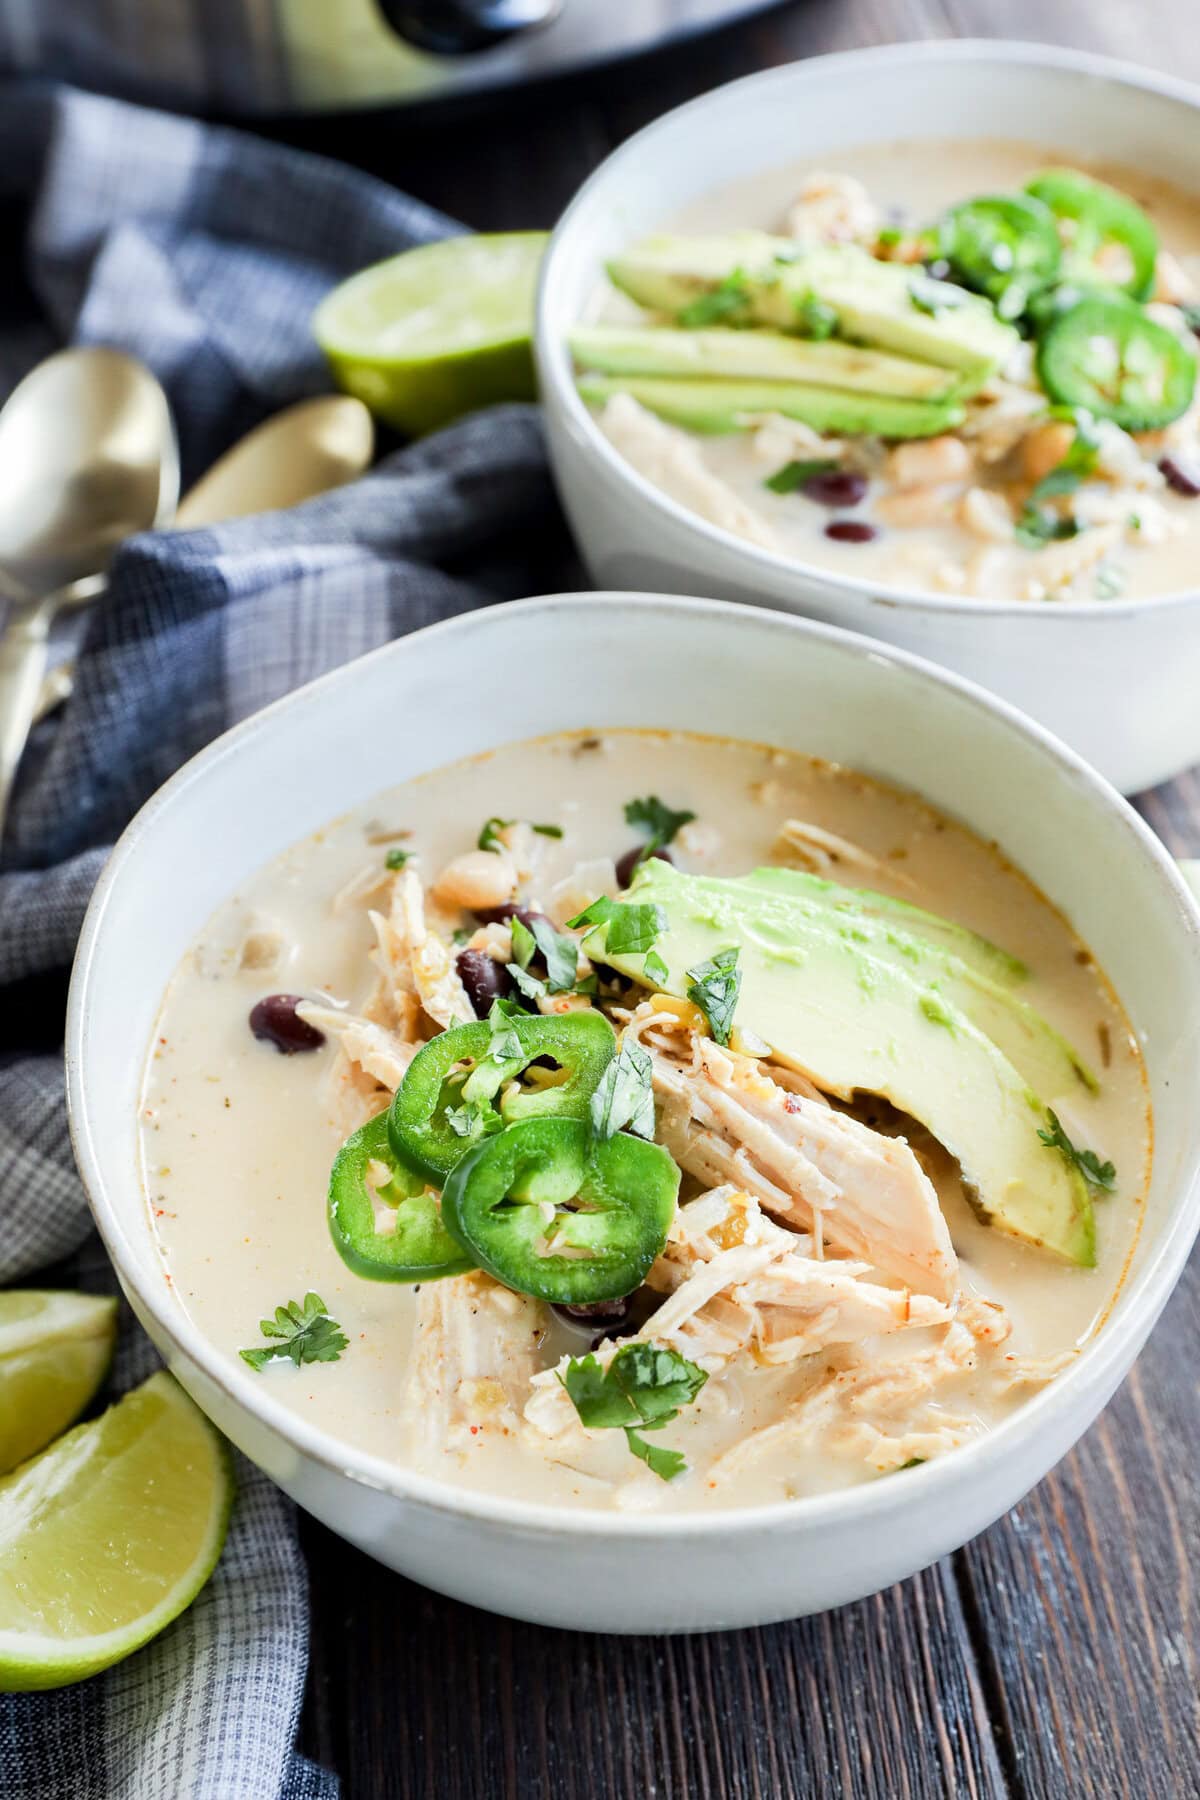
1118	680
601	661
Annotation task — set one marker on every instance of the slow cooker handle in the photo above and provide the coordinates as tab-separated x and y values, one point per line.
458	27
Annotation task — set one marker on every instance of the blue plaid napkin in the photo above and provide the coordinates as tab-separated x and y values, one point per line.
203	252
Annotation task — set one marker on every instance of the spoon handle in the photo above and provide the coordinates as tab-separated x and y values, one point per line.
22	666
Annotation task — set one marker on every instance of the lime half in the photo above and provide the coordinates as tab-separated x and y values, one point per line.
108	1535
54	1351
437	331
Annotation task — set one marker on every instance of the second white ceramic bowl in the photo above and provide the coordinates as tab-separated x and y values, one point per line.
1118	680
579	661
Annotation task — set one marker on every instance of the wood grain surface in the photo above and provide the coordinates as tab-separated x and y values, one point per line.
1056	1655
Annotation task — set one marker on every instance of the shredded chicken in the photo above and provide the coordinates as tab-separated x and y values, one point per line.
671	460
736	1282
884	1413
832	208
821	852
418	964
724	1118
474	1356
371	1047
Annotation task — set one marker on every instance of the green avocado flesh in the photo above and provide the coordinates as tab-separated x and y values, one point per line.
886	305
758	356
702	404
860	1003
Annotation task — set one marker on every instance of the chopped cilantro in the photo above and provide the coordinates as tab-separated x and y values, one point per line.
643	1388
714	987
1095	1173
523	942
489	837
933	297
661	821
726	304
396	859
813	318
554	831
655	969
600	909
561	955
304	1332
794	474
624	1097
1109	582
633	929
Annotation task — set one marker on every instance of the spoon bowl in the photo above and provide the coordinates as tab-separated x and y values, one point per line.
87	457
298	453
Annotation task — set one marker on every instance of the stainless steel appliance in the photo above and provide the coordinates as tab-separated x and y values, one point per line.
283	56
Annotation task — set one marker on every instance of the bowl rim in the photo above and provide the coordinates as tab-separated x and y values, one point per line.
1104	1360
553	364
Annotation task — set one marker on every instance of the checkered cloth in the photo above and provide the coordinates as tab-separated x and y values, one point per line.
204	253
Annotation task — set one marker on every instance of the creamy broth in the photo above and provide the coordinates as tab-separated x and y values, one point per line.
237	1140
911	183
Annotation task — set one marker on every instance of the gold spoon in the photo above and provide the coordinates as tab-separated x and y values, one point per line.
87	457
301	452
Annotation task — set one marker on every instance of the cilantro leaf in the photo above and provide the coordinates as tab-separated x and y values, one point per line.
1039	524
1095	1173
468	1121
396	859
624	1095
504	1053
664	1463
489	837
726	304
552	831
644	1385
595	914
523	942
561	956
633	928
304	1332
662	822
714	987
655	969
933	297
532	986
813	318
794	474
658	1381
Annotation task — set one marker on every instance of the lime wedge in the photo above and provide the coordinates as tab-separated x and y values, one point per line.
108	1535
438	331
54	1351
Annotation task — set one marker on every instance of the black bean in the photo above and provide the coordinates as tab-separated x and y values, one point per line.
1183	474
484	978
501	915
275	1021
850	531
629	862
610	1315
836	487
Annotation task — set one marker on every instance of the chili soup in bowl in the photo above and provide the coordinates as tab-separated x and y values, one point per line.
543	1213
906	339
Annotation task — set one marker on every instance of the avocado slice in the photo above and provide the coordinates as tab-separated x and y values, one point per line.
1041	1055
710	406
990	959
887	305
865	1012
763	355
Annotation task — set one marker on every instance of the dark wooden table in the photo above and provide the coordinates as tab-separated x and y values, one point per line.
1056	1655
